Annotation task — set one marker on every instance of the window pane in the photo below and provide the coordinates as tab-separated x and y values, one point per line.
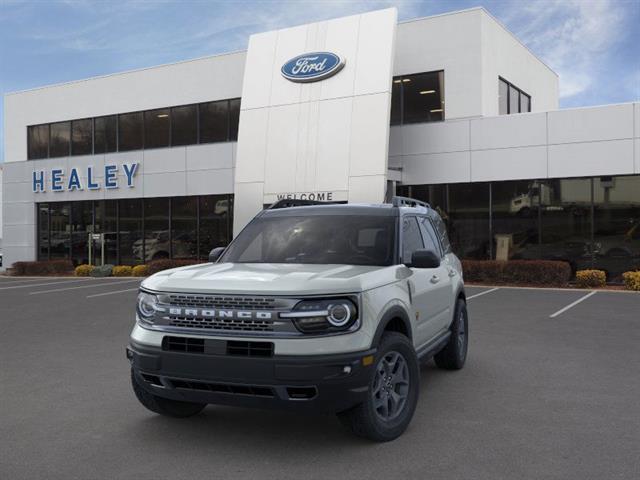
429	236
184	125
156	229
468	219
43	231
215	211
503	97
514	100
60	239
396	101
81	138
38	141
59	142
156	128
214	122
411	238
106	222
617	224
130	131
81	226
184	227
423	97
515	212
131	241
234	118
525	102
105	134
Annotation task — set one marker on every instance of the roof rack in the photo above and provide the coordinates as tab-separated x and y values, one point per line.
408	202
295	202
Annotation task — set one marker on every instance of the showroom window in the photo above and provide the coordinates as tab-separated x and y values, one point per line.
591	222
159	128
417	98
511	99
135	230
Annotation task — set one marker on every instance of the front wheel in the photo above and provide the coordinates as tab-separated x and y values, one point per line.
392	395
164	406
454	354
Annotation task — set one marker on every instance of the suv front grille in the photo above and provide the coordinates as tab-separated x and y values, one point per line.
253	390
215	302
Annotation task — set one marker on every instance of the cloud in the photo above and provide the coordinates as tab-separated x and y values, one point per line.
574	37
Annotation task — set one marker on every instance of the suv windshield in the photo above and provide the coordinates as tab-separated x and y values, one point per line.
337	239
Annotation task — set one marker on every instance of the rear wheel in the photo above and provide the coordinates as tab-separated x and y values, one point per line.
164	406
454	354
392	395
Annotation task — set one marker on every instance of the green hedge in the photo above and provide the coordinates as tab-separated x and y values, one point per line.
518	272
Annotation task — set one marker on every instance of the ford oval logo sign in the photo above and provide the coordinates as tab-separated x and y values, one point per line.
311	67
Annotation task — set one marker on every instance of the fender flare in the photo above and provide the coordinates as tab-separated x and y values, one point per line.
395	311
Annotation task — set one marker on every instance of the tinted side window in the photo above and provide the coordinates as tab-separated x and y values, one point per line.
38	141
184	125
105	134
130	131
156	128
442	234
59	139
214	122
429	236
81	137
234	118
411	238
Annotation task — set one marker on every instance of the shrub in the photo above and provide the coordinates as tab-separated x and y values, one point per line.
122	271
84	270
631	280
141	271
528	272
591	278
46	267
156	266
102	271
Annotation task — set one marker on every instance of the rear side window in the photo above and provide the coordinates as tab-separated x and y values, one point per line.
411	238
441	230
429	236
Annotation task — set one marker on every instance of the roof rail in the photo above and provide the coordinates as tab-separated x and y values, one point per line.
294	202
408	202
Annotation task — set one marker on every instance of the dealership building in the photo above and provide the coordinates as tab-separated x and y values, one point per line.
171	161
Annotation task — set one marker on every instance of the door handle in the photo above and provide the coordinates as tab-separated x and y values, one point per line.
435	279
452	273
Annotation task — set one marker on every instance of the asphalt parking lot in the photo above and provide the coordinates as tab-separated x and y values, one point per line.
547	392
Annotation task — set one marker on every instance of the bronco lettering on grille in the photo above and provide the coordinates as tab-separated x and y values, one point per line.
209	313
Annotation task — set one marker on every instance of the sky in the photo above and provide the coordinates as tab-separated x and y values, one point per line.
593	45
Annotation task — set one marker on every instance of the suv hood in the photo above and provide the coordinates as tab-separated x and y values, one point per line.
272	278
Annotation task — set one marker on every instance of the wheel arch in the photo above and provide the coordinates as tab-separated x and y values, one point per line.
396	319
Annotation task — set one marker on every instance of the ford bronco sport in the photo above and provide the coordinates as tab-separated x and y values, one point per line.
325	308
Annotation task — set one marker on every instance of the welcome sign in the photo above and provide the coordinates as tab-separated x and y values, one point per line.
57	180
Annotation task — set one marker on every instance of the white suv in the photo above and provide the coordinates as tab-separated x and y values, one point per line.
325	308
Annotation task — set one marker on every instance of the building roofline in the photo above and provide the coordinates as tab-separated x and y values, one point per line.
482	9
124	72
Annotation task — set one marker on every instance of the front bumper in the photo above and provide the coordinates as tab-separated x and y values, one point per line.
314	383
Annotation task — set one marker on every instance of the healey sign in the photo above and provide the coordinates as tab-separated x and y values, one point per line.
312	67
92	179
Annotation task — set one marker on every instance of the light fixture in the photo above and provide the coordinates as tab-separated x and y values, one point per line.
406	79
436	110
163	115
397	81
425	92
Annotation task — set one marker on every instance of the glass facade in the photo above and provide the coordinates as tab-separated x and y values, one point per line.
135	230
511	99
589	222
417	98
164	127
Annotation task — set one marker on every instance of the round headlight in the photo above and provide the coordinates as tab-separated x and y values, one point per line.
146	305
339	314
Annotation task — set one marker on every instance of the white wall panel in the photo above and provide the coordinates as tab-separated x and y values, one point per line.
509	163
282	148
439	137
509	131
332	153
19	213
369	135
614	157
636	119
165	184
610	122
436	168
252	145
341	38
204	182
210	156
287	46
164	160
376	48
252	195
366	189
636	150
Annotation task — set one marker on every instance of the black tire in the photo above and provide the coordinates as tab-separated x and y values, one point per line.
164	406
454	354
365	420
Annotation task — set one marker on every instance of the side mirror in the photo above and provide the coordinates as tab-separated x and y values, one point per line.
215	254
424	259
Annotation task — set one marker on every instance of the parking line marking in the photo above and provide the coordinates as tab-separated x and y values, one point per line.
483	293
43	284
112	293
571	305
82	286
